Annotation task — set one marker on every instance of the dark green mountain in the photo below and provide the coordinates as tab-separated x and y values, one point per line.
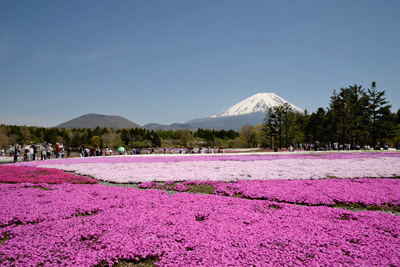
90	121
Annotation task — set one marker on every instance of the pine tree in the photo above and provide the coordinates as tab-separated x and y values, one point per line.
383	122
349	112
270	128
398	117
316	126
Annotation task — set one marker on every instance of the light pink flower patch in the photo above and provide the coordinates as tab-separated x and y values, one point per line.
213	157
231	170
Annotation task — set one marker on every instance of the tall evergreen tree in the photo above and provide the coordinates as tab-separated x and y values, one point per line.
382	121
335	108
278	123
289	119
156	140
349	113
268	130
316	126
398	117
272	126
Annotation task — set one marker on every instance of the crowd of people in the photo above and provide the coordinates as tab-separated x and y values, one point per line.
90	152
30	152
47	151
337	146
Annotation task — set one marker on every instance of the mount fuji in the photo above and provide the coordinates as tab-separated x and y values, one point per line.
249	111
260	102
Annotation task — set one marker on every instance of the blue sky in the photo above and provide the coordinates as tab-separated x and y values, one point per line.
172	61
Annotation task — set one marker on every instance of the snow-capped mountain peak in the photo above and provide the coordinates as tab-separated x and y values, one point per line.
260	102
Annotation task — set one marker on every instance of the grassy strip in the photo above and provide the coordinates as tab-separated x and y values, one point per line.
359	206
202	189
149	261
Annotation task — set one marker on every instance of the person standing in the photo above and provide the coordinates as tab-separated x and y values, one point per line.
80	150
31	153
34	150
68	152
26	153
16	152
43	153
58	151
62	150
49	150
92	151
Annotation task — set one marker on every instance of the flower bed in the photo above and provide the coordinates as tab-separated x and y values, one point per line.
329	192
15	174
233	170
95	225
103	225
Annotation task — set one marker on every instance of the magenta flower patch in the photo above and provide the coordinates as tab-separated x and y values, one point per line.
84	225
328	192
15	174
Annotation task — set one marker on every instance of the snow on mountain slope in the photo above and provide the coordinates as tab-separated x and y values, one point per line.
257	103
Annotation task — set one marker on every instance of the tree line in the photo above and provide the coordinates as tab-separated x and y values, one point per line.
113	138
355	116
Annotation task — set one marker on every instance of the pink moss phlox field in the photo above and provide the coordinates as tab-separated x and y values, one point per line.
212	157
15	174
228	171
100	224
363	191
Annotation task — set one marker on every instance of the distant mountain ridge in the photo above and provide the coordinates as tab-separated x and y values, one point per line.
92	120
251	111
174	126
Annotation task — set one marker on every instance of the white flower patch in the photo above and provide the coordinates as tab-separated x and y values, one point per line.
237	170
